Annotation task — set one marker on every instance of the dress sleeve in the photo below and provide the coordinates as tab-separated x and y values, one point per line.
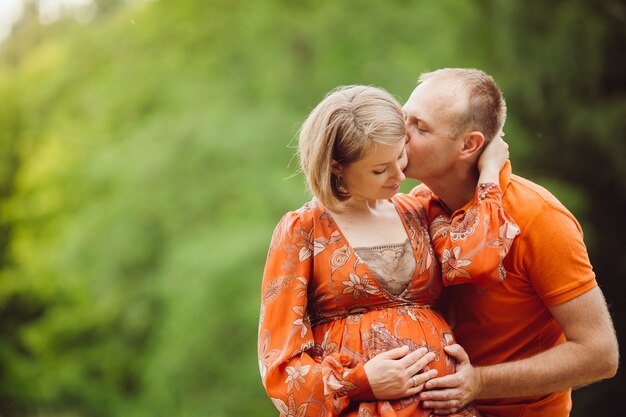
299	380
472	243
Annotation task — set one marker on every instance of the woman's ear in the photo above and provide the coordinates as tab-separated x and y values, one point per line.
336	168
473	143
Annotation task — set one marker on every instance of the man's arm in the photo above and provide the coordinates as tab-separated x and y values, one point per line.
589	354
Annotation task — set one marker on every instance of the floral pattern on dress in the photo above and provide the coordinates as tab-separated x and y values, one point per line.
359	286
453	265
459	231
290	409
339	258
266	356
295	375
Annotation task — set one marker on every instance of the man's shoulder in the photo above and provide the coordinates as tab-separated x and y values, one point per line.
525	199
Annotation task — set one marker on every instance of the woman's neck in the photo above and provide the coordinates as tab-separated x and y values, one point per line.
363	206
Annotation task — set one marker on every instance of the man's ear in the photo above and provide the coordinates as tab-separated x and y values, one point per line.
473	143
336	168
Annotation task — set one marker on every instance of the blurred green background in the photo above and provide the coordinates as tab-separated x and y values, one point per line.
146	154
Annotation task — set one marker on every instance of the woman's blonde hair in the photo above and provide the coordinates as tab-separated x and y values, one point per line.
343	128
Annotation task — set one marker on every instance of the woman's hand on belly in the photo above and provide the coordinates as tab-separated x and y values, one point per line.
396	373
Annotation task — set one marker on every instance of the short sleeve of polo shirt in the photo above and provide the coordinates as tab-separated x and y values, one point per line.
555	256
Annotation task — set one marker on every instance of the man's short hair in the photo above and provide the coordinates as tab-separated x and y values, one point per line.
486	108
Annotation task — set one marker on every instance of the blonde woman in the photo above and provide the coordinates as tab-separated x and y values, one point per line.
348	325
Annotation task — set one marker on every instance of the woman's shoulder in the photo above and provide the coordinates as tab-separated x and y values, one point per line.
300	223
310	207
407	202
304	214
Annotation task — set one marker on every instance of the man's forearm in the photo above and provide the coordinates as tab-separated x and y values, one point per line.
558	369
589	354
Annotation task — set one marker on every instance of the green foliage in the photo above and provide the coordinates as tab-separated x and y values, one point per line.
146	156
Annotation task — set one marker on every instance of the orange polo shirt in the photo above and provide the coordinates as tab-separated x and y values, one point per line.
547	265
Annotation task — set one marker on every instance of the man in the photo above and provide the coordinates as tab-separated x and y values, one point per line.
545	328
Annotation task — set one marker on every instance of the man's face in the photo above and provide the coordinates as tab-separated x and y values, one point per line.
429	113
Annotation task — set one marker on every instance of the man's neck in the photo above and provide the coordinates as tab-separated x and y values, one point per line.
455	190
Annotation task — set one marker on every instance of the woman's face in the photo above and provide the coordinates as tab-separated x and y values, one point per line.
378	174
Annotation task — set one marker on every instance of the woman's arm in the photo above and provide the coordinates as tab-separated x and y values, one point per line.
472	242
491	161
297	382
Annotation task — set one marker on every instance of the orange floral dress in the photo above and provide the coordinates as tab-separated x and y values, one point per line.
323	314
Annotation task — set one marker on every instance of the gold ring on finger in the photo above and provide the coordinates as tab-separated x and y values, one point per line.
414	381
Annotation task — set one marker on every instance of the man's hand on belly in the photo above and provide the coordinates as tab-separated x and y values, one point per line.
448	394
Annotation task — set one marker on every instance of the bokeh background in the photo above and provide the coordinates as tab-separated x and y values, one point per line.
146	154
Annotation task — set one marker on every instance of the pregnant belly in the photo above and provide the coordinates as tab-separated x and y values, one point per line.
365	335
